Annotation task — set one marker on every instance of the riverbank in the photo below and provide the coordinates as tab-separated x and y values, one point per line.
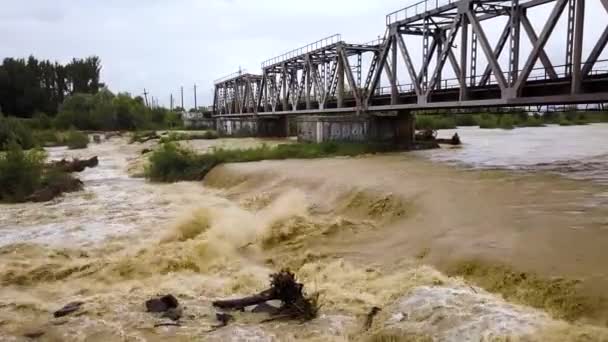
363	231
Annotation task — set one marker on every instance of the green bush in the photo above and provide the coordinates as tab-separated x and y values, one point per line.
531	122
13	130
172	163
488	121
506	122
49	138
464	120
20	173
76	140
424	122
42	121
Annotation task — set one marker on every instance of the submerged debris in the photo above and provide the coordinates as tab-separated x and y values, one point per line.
59	184
430	135
76	165
369	319
283	287
68	309
162	304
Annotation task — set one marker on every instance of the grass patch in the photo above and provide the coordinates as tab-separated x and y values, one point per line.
560	297
76	140
174	136
172	163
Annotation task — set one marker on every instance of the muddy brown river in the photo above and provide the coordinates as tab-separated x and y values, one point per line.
524	213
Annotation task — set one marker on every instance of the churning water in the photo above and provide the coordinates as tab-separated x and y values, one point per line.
362	232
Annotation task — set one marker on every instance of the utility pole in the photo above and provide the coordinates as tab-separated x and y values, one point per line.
195	104
146	97
171	103
182	91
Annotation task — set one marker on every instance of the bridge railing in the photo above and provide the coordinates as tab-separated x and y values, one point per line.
416	9
319	44
538	74
231	76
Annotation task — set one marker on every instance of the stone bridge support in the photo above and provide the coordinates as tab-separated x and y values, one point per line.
242	127
396	128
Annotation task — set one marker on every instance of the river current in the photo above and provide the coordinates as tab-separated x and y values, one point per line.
362	232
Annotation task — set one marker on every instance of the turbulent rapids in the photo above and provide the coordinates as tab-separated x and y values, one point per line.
446	253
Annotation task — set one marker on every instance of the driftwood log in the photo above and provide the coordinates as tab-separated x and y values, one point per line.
76	165
430	135
60	185
145	137
283	287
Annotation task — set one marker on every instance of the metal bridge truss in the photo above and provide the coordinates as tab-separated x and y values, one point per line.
329	76
237	93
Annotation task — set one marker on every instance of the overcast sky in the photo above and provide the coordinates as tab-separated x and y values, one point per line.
163	44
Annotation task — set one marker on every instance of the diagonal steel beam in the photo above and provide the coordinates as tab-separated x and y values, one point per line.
596	52
540	44
376	79
452	58
351	79
319	91
408	62
485	46
426	63
542	54
504	37
598	48
453	30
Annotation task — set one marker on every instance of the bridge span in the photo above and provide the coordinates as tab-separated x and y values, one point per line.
450	55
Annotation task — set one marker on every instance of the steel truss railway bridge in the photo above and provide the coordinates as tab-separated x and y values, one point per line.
507	67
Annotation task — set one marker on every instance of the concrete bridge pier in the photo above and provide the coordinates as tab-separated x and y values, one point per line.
243	127
395	128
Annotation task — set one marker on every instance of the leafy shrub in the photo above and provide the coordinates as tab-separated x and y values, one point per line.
49	138
507	122
76	140
42	121
532	122
464	120
20	173
13	130
488	121
172	163
435	122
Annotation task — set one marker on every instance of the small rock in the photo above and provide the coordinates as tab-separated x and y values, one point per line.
224	318
97	139
68	309
34	334
145	151
162	304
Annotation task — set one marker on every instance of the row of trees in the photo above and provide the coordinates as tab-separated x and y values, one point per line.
32	85
106	111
